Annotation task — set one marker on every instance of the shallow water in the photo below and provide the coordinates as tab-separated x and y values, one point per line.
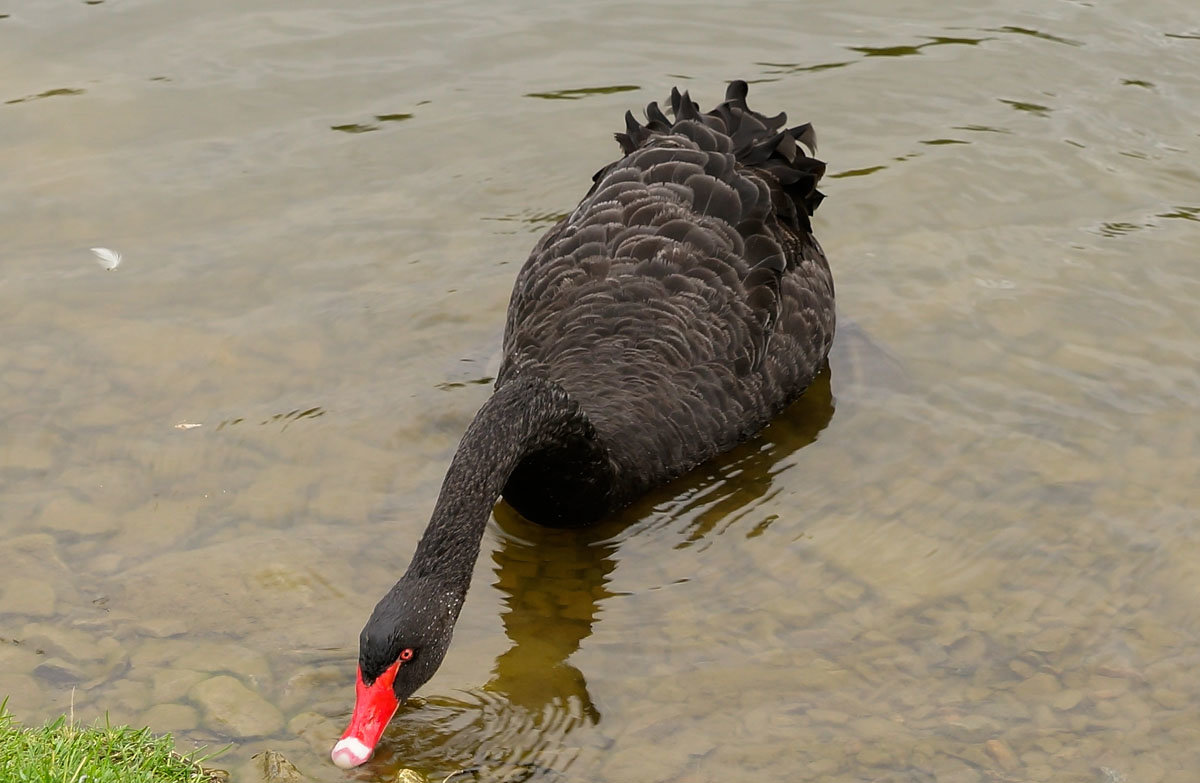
970	554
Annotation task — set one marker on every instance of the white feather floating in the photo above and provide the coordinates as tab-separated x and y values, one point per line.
109	259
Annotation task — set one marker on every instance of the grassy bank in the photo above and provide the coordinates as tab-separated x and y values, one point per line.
65	752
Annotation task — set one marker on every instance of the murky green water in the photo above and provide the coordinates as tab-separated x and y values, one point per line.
972	554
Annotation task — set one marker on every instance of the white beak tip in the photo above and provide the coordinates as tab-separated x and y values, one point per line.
349	752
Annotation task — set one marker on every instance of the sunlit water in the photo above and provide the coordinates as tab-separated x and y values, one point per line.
971	554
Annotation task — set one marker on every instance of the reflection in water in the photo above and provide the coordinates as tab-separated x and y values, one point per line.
1035	34
785	68
355	127
1183	213
1032	108
857	172
905	51
718	495
982	129
47	94
367	127
581	92
515	727
536	221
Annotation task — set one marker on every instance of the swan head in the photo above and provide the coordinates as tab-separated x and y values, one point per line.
399	649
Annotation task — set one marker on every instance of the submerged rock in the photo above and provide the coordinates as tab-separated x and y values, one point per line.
234	710
409	776
277	769
171	717
31	597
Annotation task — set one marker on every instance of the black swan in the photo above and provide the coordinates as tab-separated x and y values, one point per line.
681	306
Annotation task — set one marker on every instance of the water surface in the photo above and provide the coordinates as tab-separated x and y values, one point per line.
970	554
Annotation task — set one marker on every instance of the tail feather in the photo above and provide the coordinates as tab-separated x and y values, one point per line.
756	140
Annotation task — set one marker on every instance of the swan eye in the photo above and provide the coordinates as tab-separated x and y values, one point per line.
407	654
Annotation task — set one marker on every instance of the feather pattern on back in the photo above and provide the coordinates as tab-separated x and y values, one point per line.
681	305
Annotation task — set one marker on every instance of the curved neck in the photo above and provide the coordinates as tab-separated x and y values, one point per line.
521	417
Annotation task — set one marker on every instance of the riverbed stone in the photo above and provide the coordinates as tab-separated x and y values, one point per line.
21	689
833	717
172	684
203	656
1067	700
155	526
162	627
67	515
123	700
306	723
1051	640
57	639
33	454
59	673
22	595
274	768
279	492
234	710
171	718
1037	687
1171	699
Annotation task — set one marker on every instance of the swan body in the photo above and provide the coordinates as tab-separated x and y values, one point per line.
671	315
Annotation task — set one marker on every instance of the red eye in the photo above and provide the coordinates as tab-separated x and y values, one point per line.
406	654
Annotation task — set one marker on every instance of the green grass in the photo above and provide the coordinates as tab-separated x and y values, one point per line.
64	752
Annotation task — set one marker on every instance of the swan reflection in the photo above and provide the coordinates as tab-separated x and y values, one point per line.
517	726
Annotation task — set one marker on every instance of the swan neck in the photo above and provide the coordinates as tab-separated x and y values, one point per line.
520	417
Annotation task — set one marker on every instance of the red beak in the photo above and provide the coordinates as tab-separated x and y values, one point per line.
374	706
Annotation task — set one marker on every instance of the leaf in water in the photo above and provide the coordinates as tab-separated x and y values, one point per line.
581	92
354	127
109	259
392	117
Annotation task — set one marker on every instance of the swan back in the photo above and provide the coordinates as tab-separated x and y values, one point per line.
684	302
